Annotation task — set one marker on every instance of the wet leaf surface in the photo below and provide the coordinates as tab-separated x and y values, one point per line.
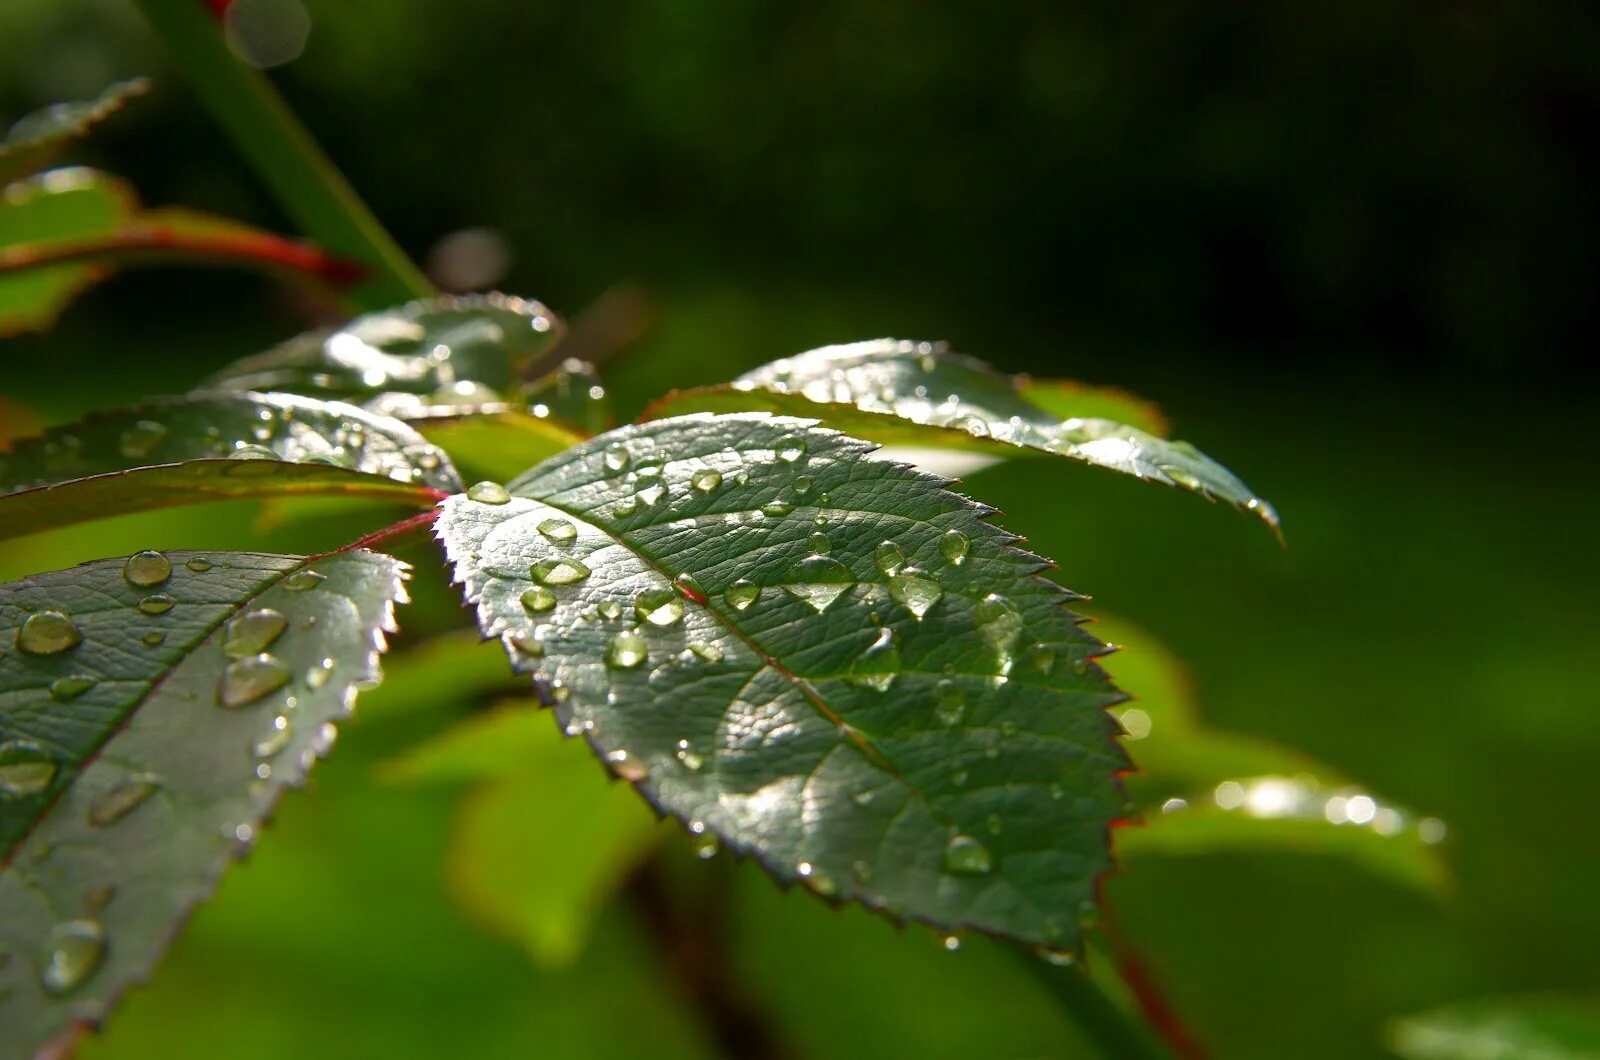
918	394
152	710
211	447
38	137
830	662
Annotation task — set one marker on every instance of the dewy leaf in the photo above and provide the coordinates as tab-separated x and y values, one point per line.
64	230
918	394
435	357
152	710
206	447
832	663
1534	1027
38	137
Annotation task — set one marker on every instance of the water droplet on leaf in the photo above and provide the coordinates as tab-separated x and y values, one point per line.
25	769
72	951
616	457
146	569
706	480
706	652
122	798
659	607
157	604
247	680
198	564
65	688
47	633
301	580
953	546
950	703
819	581
889	557
915	591
487	492
965	855
627	651
561	571
741	594
538	599
879	665
558	530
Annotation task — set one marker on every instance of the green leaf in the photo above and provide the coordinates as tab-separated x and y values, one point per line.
1506	1028
433	357
918	394
152	710
518	866
572	394
63	231
38	137
829	661
498	445
1202	790
205	447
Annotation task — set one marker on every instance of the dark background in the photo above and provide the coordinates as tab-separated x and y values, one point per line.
1351	250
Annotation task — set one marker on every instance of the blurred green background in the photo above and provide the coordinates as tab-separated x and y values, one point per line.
1350	249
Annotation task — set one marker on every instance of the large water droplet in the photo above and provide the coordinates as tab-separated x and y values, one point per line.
146	569
246	680
950	703
253	632
122	798
65	688
301	580
706	480
137	441
157	604
889	557
659	607
563	570
966	855
953	546
741	594
46	633
627	651
616	457
25	769
879	665
538	599
915	591
72	951
819	544
488	493
558	530
819	581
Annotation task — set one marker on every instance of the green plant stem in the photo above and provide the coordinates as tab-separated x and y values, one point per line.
1118	1034
307	185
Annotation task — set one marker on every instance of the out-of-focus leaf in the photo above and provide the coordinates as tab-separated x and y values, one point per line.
542	842
435	357
573	394
453	666
833	663
152	710
919	395
37	138
498	445
1202	790
65	230
216	446
1508	1028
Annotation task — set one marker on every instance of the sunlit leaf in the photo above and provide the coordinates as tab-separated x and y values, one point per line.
206	447
831	662
38	137
152	710
498	445
919	395
1507	1028
67	229
436	357
542	841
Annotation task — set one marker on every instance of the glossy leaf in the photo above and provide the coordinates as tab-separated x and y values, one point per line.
67	229
38	137
542	842
435	357
207	447
831	662
918	394
1507	1028
152	710
1202	791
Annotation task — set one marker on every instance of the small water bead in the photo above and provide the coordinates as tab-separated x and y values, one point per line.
563	570
251	451
247	680
879	665
558	530
301	580
802	485
146	568
650	469
122	798
650	496
538	599
625	507
819	581
741	594
25	769
1042	658
616	457
706	480
528	645
966	855
627	767
317	676
154	638
610	610
487	492
953	546
72	951
998	621
889	557
791	449
688	586
63	689
627	651
276	739
706	652
253	632
47	633
198	564
138	441
691	761
659	607
706	846
157	604
777	509
915	591
950	703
